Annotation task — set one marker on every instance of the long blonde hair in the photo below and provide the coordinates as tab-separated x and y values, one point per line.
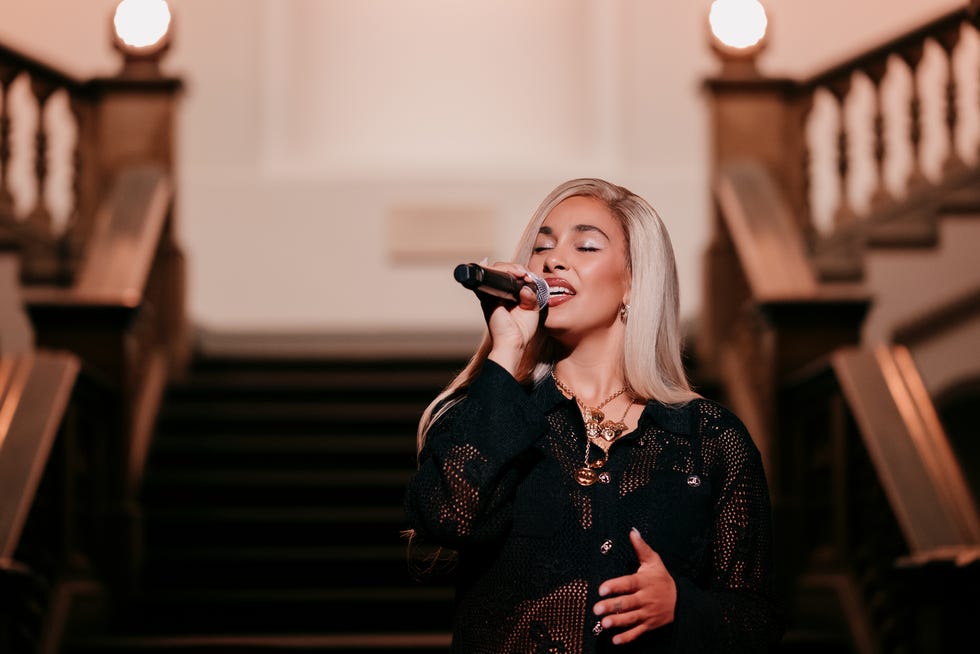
652	348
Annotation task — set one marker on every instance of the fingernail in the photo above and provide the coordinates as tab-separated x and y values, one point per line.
598	609
634	530
603	591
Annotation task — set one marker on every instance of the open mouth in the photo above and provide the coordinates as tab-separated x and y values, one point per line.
559	290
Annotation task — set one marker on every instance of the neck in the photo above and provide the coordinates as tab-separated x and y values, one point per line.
593	369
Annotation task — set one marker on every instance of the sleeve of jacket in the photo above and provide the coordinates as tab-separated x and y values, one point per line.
736	610
470	465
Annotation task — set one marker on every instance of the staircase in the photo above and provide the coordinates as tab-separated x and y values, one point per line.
273	512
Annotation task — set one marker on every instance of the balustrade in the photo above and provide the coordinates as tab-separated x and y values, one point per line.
953	37
90	136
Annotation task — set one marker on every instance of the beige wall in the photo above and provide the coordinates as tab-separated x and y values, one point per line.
307	124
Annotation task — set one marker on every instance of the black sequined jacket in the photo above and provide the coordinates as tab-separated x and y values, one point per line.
496	483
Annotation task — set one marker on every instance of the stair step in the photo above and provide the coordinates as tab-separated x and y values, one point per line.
367	643
272	610
259	478
318	449
272	526
264	443
273	513
323	410
920	232
347	378
798	641
256	487
269	567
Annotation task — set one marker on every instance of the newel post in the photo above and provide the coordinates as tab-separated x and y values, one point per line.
752	118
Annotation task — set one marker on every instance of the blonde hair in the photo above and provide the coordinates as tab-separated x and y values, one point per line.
652	347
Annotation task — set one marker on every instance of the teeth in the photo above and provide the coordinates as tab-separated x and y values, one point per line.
560	290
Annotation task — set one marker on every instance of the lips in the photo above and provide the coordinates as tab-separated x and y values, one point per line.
559	291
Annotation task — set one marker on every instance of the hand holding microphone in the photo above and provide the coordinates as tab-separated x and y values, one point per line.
500	284
513	321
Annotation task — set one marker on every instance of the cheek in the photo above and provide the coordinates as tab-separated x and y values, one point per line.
615	278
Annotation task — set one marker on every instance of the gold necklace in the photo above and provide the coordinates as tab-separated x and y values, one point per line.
596	426
587	475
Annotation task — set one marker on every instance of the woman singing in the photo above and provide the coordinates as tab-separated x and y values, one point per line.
597	503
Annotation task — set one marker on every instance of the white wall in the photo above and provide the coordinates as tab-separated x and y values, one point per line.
306	123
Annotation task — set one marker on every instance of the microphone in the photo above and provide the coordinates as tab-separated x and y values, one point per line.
499	284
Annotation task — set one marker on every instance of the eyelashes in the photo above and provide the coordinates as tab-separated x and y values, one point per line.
538	249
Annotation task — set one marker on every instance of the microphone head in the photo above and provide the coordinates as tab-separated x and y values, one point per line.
541	290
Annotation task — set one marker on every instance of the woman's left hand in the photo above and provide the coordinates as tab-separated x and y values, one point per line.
639	602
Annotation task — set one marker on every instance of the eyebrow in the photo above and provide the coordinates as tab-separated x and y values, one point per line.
547	231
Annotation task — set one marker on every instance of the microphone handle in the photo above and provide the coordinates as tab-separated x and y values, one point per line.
498	284
492	282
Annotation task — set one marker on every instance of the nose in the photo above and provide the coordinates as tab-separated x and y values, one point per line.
553	262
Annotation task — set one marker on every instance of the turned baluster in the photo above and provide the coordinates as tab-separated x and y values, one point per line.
40	216
84	182
840	88
876	73
948	39
804	208
975	9
912	55
7	76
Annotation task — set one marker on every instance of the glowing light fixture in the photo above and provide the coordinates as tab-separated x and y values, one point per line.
142	32
738	32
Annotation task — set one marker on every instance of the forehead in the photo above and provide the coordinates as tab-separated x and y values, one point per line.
583	211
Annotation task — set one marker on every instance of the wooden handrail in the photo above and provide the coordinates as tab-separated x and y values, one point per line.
127	233
770	246
879	54
34	392
15	60
908	448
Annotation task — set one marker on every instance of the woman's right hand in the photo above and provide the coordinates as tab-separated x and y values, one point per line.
511	325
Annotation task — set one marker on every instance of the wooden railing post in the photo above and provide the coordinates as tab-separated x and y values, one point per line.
134	122
762	120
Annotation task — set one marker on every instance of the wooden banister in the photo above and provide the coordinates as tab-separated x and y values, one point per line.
764	314
770	246
13	59
109	290
34	392
871	494
119	122
874	57
766	119
908	448
127	232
